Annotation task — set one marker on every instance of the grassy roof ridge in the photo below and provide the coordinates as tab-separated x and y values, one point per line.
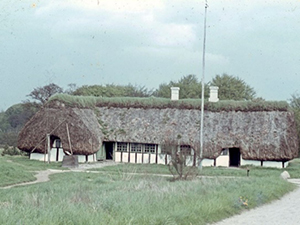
162	103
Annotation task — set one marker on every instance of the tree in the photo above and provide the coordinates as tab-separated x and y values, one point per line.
13	119
42	94
189	86
232	88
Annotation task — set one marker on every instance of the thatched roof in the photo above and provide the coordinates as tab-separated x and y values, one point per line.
84	130
260	135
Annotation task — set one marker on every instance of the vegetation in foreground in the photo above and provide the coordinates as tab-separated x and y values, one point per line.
116	195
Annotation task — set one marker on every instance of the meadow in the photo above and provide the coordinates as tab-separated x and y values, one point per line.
134	194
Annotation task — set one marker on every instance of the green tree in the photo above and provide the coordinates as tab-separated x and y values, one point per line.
189	86
232	88
13	120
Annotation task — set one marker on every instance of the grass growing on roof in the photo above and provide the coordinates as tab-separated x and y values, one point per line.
162	103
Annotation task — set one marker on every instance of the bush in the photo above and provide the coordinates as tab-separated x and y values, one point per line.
11	151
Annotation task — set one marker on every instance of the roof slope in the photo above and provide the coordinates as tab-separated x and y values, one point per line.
84	130
259	135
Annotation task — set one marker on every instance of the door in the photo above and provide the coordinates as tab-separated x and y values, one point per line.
109	150
234	157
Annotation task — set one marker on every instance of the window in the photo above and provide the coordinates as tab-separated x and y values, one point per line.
224	151
57	143
136	148
150	148
186	149
122	147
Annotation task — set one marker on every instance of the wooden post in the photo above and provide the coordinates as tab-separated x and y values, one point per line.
69	139
129	152
156	154
48	147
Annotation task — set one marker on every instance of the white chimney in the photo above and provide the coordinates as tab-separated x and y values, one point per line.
175	93
213	94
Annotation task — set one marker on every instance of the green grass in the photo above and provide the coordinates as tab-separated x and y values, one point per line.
114	195
18	169
162	103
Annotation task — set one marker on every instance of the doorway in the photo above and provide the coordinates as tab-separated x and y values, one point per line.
234	157
109	150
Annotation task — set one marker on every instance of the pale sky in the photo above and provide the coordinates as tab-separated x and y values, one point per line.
147	42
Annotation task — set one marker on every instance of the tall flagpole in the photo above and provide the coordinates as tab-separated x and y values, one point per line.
202	93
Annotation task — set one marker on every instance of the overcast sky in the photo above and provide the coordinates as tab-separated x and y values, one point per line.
147	42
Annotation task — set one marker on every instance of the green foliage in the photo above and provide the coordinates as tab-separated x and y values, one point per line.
162	103
232	88
12	121
189	86
11	151
112	90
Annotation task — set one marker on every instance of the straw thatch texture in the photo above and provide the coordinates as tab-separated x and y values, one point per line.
84	130
260	135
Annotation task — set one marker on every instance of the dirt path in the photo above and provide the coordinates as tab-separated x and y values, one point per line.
43	176
284	211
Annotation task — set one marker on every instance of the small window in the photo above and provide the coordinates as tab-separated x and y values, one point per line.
150	148
224	151
122	147
186	149
136	148
57	143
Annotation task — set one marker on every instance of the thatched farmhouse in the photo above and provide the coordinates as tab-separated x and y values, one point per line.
140	130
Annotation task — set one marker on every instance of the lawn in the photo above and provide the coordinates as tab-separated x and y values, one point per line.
115	195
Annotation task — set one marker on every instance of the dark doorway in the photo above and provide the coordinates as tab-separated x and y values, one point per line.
109	150
234	157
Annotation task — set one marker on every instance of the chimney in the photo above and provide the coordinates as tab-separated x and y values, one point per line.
213	94
175	93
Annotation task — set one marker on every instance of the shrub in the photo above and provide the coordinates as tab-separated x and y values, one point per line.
11	151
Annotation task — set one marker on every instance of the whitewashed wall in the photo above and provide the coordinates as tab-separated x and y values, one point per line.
53	152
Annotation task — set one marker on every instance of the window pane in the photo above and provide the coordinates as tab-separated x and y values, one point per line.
136	147
150	148
121	147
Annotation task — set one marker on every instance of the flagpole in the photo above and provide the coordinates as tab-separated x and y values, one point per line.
202	91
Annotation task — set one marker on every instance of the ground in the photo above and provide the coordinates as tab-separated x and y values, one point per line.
281	212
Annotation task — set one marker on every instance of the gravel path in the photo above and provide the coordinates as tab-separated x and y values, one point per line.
284	211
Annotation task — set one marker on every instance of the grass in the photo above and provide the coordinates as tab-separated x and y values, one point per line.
162	103
116	196
18	169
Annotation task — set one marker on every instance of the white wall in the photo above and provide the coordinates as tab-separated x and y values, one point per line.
53	151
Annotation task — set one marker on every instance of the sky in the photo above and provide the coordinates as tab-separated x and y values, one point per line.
147	43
